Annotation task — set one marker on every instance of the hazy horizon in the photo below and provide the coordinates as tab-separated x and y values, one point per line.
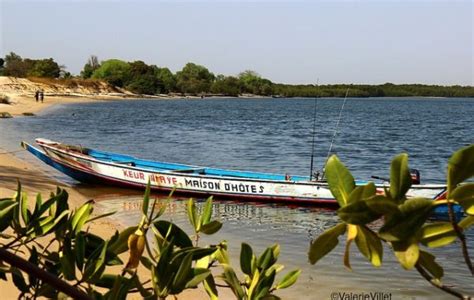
360	42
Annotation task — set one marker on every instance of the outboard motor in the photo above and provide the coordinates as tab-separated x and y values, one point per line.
415	176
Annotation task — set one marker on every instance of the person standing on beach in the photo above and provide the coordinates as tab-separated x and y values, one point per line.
37	95
41	95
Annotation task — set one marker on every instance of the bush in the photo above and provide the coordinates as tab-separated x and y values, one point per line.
405	227
75	262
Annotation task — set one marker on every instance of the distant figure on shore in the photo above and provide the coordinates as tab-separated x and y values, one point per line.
41	95
37	95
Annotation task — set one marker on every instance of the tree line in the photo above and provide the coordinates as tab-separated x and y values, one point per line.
194	79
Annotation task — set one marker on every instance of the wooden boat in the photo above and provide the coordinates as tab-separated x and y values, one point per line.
93	166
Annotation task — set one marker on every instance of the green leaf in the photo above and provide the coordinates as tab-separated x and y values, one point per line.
362	192
146	199
67	259
47	225
221	254
101	216
211	289
466	222
231	279
464	195
183	273
120	245
437	234
168	230
95	267
106	281
382	205
199	276
427	261
276	250
206	212
358	213
81	215
146	262
413	214
264	285
80	250
38	204
407	253
266	259
162	278
325	243
203	263
6	213
400	179
246	254
24	208
197	253
211	227
460	167
49	204
289	279
340	180
253	284
276	267
192	215
369	245
352	232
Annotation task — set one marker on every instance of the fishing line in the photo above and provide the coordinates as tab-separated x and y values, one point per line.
314	130
335	131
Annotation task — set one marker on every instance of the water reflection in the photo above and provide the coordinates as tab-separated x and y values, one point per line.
262	225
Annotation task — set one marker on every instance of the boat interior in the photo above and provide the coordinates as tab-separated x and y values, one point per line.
181	168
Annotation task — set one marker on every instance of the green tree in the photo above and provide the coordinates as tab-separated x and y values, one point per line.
14	66
143	79
194	79
226	85
167	81
2	62
249	81
89	68
114	71
43	68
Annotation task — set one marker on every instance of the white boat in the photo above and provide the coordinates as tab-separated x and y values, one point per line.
93	166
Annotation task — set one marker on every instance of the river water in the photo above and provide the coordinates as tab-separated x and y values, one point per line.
273	135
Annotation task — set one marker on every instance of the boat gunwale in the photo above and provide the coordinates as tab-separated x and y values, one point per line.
217	177
262	198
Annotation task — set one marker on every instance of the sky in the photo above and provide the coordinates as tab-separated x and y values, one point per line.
296	42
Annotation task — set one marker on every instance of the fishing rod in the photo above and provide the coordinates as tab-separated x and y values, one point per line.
335	132
314	130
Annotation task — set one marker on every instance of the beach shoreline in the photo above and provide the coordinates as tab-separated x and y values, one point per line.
36	180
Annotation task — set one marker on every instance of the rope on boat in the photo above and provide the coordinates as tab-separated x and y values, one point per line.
335	132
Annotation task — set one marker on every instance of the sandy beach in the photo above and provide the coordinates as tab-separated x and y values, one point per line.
35	180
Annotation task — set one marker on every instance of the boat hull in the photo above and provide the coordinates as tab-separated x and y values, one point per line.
123	173
86	170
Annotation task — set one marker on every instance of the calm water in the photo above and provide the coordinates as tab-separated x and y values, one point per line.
273	135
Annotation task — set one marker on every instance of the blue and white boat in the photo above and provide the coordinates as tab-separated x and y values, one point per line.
93	166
